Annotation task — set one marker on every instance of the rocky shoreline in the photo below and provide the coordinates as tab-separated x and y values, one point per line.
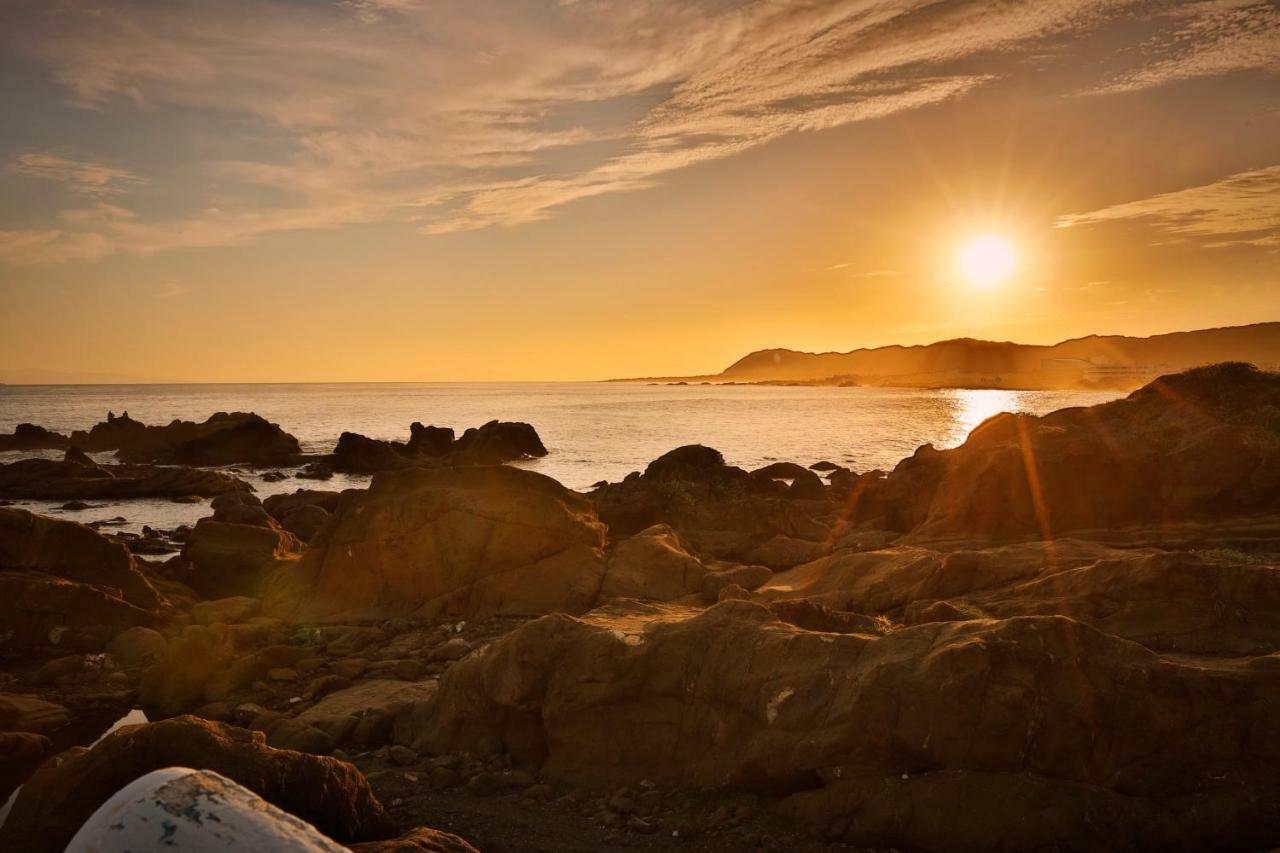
1059	635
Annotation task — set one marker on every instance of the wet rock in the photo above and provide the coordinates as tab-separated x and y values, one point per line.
240	508
330	794
315	471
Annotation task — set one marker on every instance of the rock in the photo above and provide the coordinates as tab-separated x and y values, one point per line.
282	673
1193	446
493	443
653	564
452	649
813	616
20	752
420	840
177	682
721	576
357	454
25	713
75	506
32	437
365	713
282	505
284	733
237	608
315	471
137	647
111	434
733	592
240	508
39	610
403	755
782	471
997	702
425	542
274	476
218	712
305	521
330	794
497	442
49	479
64	549
429	440
718	510
223	439
807	486
782	552
824	465
231	559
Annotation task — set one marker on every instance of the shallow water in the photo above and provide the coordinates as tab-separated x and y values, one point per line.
595	431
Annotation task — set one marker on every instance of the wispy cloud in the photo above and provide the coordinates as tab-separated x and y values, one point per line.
80	176
452	117
1240	209
1208	38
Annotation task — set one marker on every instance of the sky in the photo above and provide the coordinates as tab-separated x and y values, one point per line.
382	190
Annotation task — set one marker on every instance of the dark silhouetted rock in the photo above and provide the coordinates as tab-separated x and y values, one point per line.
32	437
429	440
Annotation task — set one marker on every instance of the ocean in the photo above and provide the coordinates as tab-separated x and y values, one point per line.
594	431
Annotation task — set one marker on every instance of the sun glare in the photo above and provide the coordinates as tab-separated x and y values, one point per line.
987	260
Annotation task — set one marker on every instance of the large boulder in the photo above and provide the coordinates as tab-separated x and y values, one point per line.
493	443
79	478
1031	710
223	439
654	565
24	713
472	540
111	434
32	437
719	510
227	559
43	610
1195	446
64	549
63	793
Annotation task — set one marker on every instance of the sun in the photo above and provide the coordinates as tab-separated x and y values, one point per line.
987	260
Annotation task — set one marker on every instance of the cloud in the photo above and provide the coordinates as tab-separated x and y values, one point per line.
77	175
1208	38
452	117
1243	209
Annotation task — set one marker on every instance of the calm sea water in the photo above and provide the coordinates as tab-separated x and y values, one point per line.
595	431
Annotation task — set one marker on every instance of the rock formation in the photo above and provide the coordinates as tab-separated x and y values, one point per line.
32	437
422	542
223	439
494	443
79	477
1196	446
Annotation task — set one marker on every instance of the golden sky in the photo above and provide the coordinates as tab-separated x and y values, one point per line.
412	189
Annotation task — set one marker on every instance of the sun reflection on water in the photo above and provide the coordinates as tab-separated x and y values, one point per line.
972	406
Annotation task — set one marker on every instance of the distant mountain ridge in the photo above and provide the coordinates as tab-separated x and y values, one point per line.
1093	361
